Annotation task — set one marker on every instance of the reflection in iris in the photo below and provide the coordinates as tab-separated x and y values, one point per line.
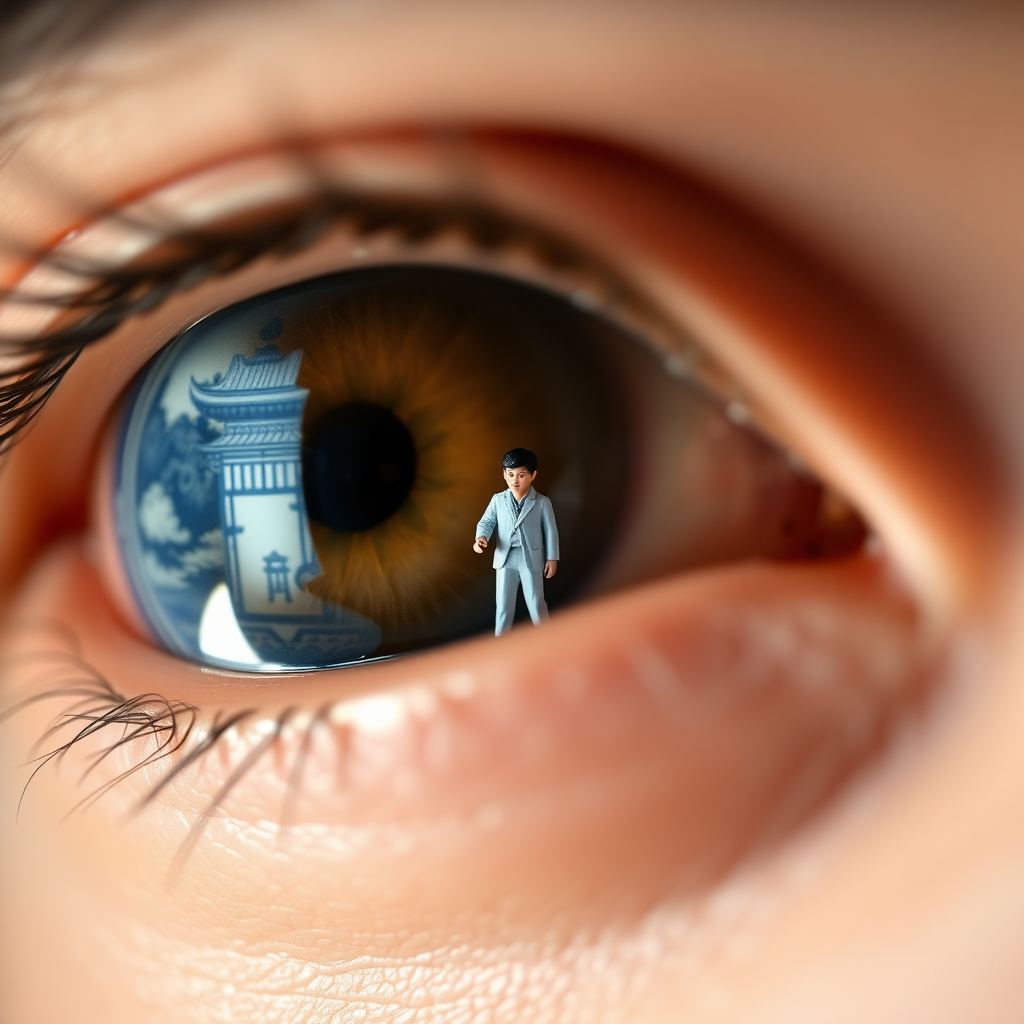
320	454
300	474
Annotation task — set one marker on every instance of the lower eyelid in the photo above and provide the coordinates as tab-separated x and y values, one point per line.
741	699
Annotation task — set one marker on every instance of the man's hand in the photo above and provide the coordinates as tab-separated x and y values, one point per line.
550	566
481	543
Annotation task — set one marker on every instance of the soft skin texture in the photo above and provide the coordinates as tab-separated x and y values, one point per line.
756	794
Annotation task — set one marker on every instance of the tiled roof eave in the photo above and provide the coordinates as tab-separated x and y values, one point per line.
290	441
214	396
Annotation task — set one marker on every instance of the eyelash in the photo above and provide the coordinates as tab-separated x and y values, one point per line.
117	295
111	295
98	708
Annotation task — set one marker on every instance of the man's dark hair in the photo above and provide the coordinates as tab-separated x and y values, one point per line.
520	457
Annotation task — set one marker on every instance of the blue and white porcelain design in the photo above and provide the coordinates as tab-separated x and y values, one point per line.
211	509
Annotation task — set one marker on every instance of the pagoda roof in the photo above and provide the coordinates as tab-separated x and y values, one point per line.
261	386
256	435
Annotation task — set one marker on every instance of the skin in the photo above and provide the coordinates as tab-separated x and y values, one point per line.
519	481
766	793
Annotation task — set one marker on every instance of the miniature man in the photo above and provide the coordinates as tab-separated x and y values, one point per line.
526	550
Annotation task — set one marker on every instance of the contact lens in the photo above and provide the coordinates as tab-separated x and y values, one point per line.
300	475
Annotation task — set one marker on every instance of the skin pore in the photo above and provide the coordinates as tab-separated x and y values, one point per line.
671	817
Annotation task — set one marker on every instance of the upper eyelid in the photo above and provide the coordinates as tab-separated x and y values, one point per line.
96	296
111	295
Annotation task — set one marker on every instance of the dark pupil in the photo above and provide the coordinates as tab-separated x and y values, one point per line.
358	468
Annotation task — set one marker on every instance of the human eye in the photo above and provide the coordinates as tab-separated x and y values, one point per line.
296	475
478	824
237	546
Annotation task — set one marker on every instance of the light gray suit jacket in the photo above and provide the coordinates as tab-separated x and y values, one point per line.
536	525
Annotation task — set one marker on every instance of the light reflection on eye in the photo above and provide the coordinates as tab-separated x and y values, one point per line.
301	473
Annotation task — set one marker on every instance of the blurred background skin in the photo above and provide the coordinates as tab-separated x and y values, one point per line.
884	146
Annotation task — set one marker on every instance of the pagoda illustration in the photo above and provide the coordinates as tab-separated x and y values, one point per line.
268	551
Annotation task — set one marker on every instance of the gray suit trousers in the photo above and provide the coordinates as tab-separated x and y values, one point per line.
507	580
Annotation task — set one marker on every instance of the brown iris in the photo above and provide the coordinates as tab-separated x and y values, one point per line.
419	380
413	399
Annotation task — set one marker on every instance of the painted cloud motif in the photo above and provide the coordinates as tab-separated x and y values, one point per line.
158	520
